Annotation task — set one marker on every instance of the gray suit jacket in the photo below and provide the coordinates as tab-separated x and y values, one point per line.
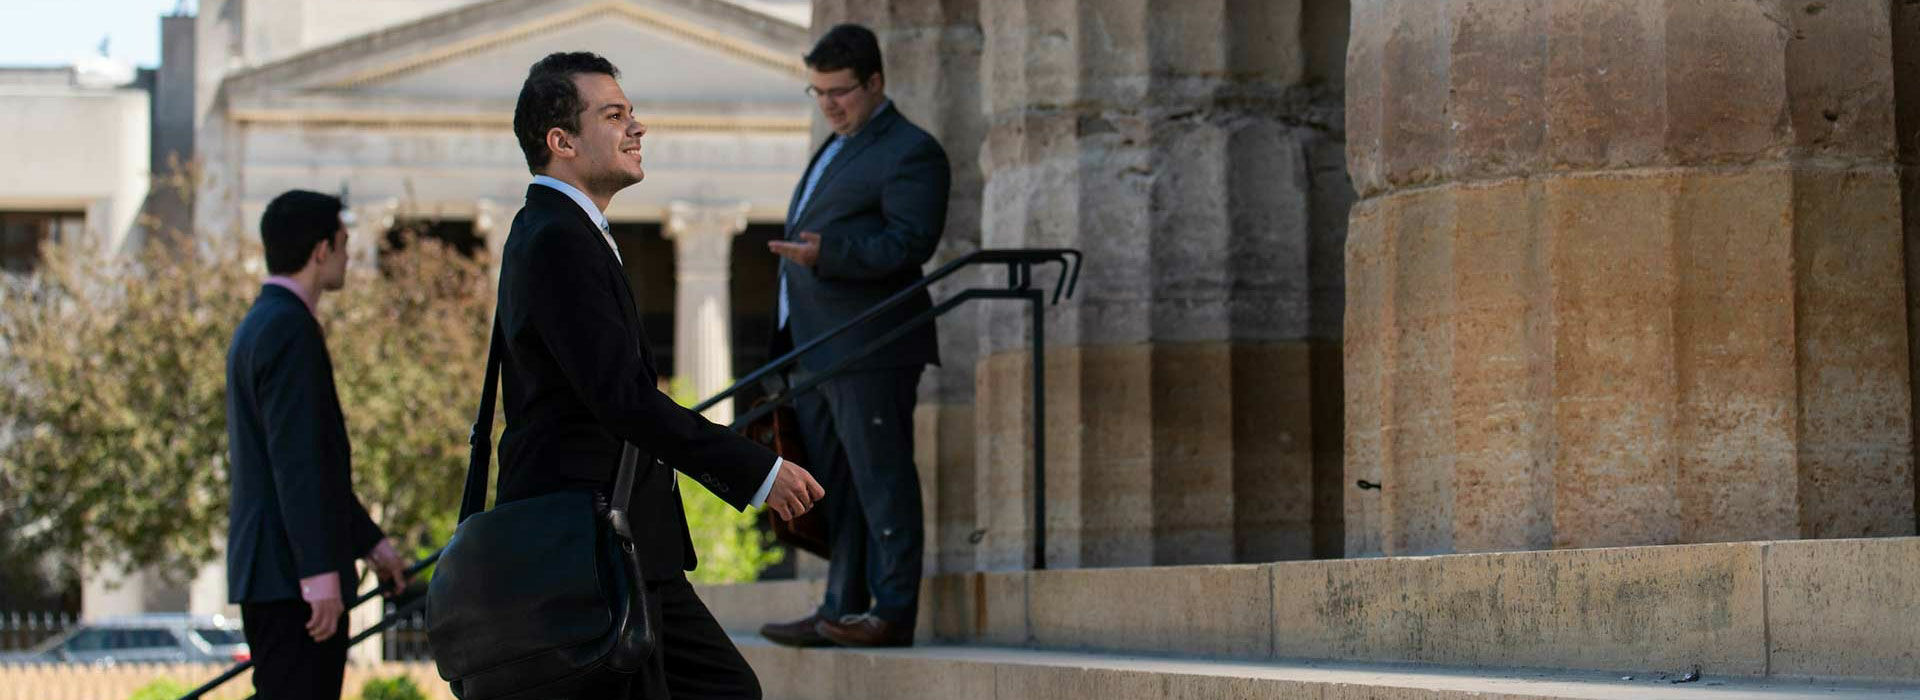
879	209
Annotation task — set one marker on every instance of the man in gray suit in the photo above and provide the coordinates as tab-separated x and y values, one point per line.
867	214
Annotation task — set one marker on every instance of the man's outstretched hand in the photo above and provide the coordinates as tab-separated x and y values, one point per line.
794	491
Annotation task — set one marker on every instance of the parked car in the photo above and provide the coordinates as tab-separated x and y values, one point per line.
153	637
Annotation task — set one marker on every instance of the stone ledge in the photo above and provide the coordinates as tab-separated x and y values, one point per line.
975	673
1801	609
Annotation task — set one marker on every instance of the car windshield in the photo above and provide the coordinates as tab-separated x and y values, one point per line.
116	639
220	637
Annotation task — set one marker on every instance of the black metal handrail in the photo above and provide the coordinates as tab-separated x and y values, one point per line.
1020	263
1020	286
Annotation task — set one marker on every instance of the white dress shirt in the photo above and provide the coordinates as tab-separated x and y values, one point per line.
600	219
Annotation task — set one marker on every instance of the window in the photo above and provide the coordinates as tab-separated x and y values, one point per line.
111	639
145	639
22	232
88	640
220	637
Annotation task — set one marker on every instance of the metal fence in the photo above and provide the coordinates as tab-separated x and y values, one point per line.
406	640
20	631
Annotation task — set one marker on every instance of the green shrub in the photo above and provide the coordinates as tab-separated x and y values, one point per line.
395	688
163	689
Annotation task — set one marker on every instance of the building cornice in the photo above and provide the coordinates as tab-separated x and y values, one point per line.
360	118
755	37
621	9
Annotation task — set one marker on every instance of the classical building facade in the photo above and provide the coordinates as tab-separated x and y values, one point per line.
408	112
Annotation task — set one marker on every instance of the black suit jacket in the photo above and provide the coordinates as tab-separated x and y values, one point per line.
293	513
879	208
578	379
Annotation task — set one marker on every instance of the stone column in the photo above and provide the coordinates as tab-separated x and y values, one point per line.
1624	273
1906	87
491	220
932	55
1190	149
702	236
371	222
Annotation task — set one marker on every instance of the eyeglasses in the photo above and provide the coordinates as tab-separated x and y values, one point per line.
833	93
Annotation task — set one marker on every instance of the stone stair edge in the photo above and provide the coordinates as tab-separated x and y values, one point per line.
1009	673
1840	608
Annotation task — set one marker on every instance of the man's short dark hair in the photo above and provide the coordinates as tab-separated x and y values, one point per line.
847	46
295	223
549	99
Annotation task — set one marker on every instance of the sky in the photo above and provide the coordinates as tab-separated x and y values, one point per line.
56	32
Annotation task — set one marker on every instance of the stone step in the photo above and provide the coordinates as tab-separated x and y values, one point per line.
1835	609
999	673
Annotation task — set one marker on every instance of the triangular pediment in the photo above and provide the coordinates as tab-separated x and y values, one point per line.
669	51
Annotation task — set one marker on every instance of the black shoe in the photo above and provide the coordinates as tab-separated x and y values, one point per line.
798	633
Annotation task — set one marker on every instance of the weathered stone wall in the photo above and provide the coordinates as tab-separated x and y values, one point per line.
1906	89
1625	273
1192	150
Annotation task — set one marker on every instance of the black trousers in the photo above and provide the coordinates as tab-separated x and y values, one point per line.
287	663
858	429
695	661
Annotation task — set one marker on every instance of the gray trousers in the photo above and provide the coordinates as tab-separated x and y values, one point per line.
858	431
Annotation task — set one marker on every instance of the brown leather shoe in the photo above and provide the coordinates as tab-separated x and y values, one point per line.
798	633
864	631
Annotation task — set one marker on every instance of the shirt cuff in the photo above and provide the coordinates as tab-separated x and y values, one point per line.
760	497
320	587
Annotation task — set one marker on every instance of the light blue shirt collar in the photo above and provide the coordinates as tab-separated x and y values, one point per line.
578	197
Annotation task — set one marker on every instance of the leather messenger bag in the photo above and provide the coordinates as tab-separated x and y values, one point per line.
541	597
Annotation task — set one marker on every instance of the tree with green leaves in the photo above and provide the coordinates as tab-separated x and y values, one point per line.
112	401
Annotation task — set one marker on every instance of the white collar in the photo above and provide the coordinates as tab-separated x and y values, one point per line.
578	197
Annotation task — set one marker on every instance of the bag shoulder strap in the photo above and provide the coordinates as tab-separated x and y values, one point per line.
473	497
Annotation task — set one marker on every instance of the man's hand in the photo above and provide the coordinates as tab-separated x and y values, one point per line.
793	492
389	567
325	620
804	253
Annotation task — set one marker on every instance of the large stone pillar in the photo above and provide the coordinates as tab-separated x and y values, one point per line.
1906	87
932	54
702	236
1624	273
1190	149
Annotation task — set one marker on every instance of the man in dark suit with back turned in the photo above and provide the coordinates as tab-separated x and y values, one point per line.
867	214
579	377
295	527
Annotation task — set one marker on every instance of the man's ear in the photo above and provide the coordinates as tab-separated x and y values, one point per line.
320	251
559	140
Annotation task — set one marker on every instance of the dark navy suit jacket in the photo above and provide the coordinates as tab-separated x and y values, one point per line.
879	208
293	513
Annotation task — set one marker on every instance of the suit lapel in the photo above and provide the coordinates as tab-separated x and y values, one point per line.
549	198
873	131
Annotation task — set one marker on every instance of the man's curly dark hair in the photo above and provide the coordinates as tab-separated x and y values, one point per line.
549	99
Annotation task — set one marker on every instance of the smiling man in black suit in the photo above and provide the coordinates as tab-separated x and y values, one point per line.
579	378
